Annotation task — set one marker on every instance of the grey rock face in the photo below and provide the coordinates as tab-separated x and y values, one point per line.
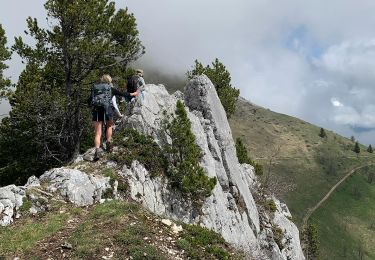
231	209
292	248
75	186
10	200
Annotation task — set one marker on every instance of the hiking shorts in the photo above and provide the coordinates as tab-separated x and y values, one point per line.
98	115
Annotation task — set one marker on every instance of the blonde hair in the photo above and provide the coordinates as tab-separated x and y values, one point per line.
106	78
139	72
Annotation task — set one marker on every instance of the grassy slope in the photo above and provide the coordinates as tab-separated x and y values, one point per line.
298	161
347	220
119	229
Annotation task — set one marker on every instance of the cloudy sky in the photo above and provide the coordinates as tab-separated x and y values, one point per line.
312	59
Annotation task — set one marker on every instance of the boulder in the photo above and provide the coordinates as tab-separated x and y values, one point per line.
11	198
75	186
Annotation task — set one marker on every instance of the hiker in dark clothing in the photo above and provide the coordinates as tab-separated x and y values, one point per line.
101	101
135	85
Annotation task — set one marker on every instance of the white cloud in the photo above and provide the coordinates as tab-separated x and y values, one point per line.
336	103
292	56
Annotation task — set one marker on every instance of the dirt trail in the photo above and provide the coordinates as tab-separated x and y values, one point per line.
312	210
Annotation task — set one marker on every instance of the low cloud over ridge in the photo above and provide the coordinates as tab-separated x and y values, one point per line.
292	56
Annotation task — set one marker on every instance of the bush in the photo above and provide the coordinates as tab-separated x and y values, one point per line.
270	205
311	241
136	146
184	154
278	236
244	158
322	133
194	239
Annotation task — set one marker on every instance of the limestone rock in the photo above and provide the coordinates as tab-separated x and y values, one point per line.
231	209
292	248
32	182
75	186
11	198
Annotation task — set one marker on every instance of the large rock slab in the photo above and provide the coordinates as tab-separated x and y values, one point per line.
75	186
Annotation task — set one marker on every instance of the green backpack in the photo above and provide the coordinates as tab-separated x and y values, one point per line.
101	95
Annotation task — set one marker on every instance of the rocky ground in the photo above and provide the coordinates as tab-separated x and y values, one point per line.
111	230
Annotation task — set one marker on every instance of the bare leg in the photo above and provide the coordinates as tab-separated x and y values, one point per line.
98	133
109	130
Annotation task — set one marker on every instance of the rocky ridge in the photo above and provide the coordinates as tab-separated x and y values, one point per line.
231	209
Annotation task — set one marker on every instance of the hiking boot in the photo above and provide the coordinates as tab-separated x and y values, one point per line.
96	155
108	146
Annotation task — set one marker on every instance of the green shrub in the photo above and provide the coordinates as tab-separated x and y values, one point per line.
184	154
136	146
311	240
270	205
244	158
26	205
202	243
122	184
278	236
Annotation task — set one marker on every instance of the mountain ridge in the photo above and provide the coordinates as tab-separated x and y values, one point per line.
231	210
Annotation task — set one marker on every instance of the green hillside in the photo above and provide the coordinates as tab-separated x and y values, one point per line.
347	219
299	165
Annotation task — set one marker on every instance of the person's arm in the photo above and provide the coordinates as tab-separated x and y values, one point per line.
116	92
114	103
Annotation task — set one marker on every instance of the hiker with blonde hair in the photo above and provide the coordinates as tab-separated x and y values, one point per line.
102	111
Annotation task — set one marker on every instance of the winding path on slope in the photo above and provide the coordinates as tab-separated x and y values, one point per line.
312	210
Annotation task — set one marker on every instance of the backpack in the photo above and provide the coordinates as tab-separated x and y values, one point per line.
101	95
133	83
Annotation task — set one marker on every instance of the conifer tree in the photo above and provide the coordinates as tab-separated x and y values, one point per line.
85	38
369	149
221	79
184	154
311	240
242	152
244	158
322	133
4	56
357	149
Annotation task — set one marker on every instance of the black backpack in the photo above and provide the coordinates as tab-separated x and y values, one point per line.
133	83
101	95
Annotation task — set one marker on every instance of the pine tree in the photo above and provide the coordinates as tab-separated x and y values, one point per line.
85	38
242	152
369	149
322	133
244	158
311	240
184	154
4	56
221	79
357	149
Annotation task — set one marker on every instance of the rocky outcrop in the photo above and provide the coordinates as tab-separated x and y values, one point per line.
231	209
65	184
75	186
